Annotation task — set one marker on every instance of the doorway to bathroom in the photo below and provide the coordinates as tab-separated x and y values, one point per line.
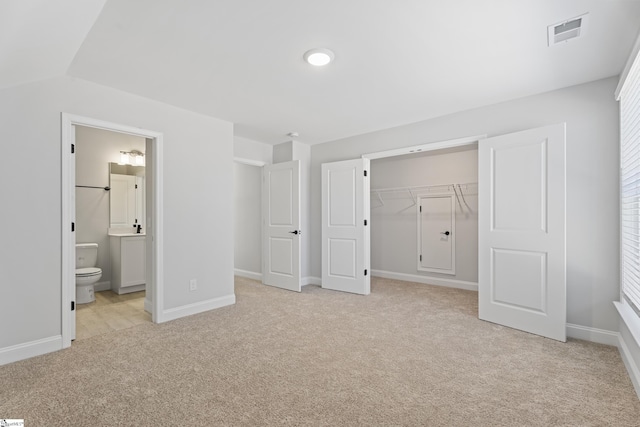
111	221
111	185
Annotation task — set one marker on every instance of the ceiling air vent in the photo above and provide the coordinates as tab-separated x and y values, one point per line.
568	30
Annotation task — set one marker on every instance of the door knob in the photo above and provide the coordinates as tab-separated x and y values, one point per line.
446	233
296	232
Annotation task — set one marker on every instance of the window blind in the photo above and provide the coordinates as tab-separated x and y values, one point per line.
630	183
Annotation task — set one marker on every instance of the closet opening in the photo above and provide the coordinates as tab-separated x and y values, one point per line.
424	214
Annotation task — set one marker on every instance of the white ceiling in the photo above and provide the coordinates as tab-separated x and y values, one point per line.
396	62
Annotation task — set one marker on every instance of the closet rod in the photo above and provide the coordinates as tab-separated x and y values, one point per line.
418	187
90	186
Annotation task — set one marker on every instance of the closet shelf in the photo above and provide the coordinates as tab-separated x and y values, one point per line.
468	188
438	188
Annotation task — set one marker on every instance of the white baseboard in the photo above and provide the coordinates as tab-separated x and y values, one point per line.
102	286
248	274
629	337
427	280
148	306
30	349
198	307
131	289
311	280
307	280
630	364
599	336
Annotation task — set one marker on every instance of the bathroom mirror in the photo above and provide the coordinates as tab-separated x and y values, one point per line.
126	198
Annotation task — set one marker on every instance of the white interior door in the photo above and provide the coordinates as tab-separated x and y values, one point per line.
122	205
436	240
521	221
140	198
281	216
345	231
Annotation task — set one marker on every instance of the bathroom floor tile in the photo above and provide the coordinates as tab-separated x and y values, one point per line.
110	312
115	321
137	304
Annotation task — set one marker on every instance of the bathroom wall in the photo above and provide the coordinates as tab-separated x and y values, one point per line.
95	149
394	222
197	202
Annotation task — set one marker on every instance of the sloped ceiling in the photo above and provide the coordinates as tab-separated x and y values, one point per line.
39	38
396	62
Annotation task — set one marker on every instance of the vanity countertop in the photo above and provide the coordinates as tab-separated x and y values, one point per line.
124	232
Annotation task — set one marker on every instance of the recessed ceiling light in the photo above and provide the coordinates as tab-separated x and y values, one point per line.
318	57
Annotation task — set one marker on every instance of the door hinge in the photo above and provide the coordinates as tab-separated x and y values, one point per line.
365	222
365	271
136	186
420	257
365	173
73	305
420	208
73	148
73	226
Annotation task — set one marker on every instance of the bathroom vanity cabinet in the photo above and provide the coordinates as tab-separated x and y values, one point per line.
128	263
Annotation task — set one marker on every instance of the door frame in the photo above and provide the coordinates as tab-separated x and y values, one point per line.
415	149
154	262
431	146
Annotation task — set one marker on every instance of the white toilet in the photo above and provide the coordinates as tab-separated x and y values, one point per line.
87	274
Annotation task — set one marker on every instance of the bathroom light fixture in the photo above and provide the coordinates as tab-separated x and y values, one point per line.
318	56
139	160
133	158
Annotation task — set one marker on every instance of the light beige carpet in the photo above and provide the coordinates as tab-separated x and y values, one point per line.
408	354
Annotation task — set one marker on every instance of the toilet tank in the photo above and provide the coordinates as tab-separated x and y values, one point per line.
86	255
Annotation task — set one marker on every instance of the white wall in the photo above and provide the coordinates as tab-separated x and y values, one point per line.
394	230
591	114
283	152
95	149
248	218
197	200
248	205
248	149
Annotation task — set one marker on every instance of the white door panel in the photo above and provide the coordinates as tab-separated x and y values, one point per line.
281	197
345	238
281	215
140	201
122	207
282	250
436	224
520	187
522	262
343	255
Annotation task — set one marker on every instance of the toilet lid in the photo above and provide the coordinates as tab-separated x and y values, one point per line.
89	271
